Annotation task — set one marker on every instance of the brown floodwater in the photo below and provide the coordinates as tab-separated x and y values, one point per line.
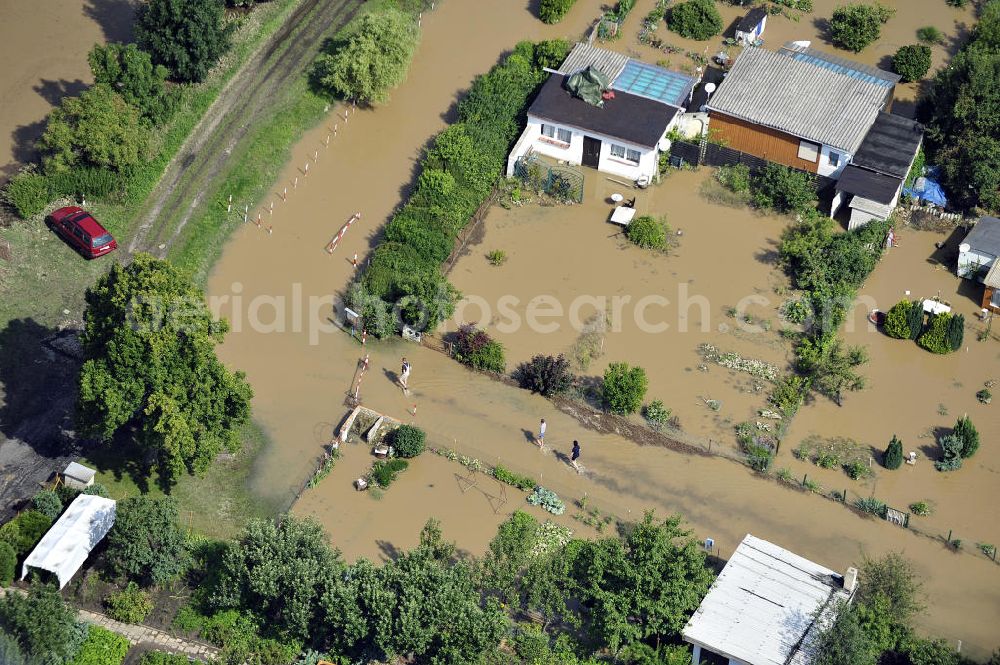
301	374
44	45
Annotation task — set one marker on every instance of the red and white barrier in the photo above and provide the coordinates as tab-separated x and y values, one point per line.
332	245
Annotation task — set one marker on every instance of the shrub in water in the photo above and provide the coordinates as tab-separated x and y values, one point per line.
956	331
548	500
893	457
854	27
967	432
735	178
130	605
930	35
656	414
695	19
48	503
624	387
951	453
782	188
897	320
552	11
871	505
384	473
647	232
516	480
546	375
935	336
408	441
857	470
912	62
920	508
476	348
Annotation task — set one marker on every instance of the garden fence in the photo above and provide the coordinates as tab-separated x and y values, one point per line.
561	182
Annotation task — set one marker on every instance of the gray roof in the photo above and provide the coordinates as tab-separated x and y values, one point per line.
869	184
585	55
992	278
837	63
804	97
890	145
985	236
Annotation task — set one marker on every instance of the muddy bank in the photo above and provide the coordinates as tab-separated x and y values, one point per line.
302	369
44	46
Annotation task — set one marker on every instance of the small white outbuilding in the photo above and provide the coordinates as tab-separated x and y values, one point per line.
64	547
78	476
767	607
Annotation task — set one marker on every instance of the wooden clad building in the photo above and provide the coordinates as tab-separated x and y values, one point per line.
764	142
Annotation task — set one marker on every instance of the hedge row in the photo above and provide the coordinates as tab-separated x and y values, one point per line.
457	174
30	191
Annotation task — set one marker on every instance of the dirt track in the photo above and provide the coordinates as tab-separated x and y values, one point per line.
200	164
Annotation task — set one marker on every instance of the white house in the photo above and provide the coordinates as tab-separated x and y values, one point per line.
767	607
871	184
751	27
623	134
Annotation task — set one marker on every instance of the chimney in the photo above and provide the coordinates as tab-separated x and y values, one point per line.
850	580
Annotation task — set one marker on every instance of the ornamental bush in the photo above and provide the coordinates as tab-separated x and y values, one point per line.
967	432
893	457
935	336
912	62
735	178
956	331
552	11
477	349
31	526
624	388
854	27
897	320
546	375
951	453
27	192
695	19
647	232
48	503
408	441
130	605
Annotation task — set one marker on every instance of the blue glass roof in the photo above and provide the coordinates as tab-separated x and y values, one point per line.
842	69
654	83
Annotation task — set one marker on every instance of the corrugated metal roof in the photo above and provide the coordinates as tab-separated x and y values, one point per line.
992	278
762	608
799	97
841	65
585	55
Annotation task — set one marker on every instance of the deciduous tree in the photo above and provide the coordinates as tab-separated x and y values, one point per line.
97	129
854	27
149	362
130	72
372	60
186	36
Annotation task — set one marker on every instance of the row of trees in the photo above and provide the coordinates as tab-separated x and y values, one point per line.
93	141
959	111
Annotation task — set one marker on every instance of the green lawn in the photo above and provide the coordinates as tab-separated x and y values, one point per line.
217	504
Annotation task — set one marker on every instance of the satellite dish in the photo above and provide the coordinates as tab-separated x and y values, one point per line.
664	145
710	88
964	247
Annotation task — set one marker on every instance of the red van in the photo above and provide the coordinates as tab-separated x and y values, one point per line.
82	231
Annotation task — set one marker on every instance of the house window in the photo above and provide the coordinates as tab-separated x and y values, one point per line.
557	133
834	159
808	151
621	152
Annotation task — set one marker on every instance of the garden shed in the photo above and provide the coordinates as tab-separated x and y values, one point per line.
64	547
767	606
78	476
751	26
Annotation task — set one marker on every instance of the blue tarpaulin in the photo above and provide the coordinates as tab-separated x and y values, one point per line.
928	189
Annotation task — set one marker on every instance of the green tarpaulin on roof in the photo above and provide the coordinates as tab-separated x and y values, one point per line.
588	85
